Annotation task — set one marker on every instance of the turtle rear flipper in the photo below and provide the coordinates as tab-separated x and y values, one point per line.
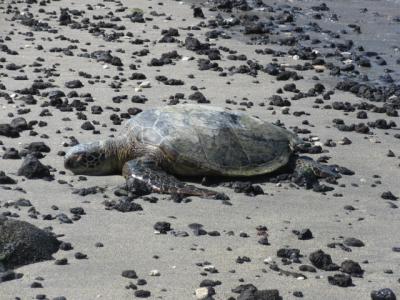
145	172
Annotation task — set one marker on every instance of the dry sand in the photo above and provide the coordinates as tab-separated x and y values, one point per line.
129	239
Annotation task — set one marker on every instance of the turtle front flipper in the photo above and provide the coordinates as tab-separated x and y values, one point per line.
145	172
307	171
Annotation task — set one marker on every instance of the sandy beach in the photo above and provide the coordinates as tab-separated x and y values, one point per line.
52	51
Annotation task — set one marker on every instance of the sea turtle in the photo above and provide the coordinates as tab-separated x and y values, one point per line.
190	140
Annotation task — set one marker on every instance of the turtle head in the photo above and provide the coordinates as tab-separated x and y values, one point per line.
90	159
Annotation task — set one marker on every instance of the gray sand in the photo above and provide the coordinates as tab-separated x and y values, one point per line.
129	239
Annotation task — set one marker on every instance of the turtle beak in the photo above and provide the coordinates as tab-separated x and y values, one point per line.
73	157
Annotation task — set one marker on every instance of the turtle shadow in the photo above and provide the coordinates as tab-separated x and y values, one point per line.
288	173
285	173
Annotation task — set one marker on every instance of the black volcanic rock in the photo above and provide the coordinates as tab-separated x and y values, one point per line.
383	294
4	179
22	243
32	168
74	84
8	131
342	280
323	261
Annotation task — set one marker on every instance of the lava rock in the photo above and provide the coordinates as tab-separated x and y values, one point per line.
129	274
198	12
353	242
4	179
74	84
37	147
389	196
352	268
22	243
142	294
87	126
250	292
323	261
126	205
383	294
162	227
32	168
304	234
342	280
19	124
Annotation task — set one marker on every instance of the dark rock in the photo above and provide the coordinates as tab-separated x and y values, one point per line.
64	219
198	97
389	196
192	44
142	294
342	280
61	262
22	243
19	124
79	255
8	131
38	147
65	246
307	268
263	241
210	283
288	253
383	294
298	294
64	18
129	274
32	168
252	293
11	153
352	268
74	84
162	227
87	126
126	205
247	188
4	179
353	242
23	203
322	261
305	234
9	275
77	211
36	285
198	12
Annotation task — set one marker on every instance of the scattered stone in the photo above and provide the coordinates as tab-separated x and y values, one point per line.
342	280
4	179
74	84
9	275
383	294
162	227
129	274
352	268
22	243
353	242
323	261
32	168
142	294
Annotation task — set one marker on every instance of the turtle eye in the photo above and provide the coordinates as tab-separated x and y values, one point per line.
81	159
